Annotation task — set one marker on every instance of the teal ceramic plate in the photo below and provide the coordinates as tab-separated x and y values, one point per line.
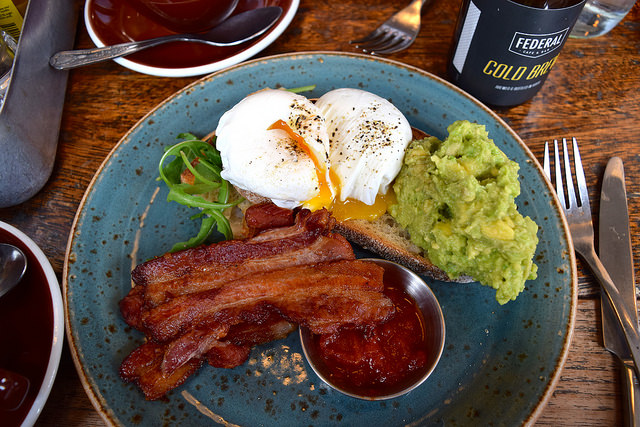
499	365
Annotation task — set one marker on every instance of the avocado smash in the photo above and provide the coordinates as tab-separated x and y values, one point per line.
457	200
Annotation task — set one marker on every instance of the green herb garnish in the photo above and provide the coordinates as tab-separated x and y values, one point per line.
209	191
301	89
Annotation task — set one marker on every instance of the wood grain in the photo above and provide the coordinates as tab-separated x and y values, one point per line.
593	93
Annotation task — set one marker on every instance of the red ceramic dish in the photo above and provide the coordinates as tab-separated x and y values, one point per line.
31	328
117	21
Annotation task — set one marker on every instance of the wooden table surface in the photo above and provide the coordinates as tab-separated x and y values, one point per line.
593	93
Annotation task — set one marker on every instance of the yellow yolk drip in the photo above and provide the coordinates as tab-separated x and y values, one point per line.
355	209
325	195
342	211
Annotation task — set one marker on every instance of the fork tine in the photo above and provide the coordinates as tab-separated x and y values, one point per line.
388	43
381	42
568	175
559	186
401	44
580	179
373	35
546	166
403	27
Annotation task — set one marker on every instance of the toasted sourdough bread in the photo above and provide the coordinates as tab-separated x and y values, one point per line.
387	238
384	236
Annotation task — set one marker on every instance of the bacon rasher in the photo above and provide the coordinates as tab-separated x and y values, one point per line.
215	302
308	241
321	297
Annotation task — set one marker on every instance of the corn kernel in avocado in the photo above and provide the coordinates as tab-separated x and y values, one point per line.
457	200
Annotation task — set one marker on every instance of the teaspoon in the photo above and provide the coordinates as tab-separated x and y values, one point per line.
13	386
13	390
233	31
13	264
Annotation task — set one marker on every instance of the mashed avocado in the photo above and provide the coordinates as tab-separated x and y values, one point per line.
456	199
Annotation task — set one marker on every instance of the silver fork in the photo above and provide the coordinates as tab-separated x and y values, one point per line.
396	33
579	219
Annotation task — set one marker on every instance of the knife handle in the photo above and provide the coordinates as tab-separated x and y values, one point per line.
630	396
625	319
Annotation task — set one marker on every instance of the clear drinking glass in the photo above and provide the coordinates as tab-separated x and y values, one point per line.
600	16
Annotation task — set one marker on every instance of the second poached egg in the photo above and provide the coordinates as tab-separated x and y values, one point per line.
368	137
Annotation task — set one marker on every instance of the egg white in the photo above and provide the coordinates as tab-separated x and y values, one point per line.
368	137
269	162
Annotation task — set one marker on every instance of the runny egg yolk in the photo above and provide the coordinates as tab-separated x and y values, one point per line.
355	209
341	210
325	195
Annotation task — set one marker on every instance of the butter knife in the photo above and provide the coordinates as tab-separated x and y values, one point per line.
616	256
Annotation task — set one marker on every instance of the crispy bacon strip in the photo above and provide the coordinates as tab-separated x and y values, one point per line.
235	348
158	368
132	306
260	326
227	355
263	216
215	302
214	339
209	267
321	297
217	274
142	367
172	266
316	223
191	345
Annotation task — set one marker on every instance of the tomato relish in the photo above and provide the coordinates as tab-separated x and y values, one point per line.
377	359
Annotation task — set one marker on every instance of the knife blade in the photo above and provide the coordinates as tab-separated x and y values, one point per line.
616	256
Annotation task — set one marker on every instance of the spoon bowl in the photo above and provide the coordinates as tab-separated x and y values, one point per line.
13	390
237	29
13	264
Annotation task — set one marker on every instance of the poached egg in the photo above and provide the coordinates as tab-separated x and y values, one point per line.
341	153
274	143
368	136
